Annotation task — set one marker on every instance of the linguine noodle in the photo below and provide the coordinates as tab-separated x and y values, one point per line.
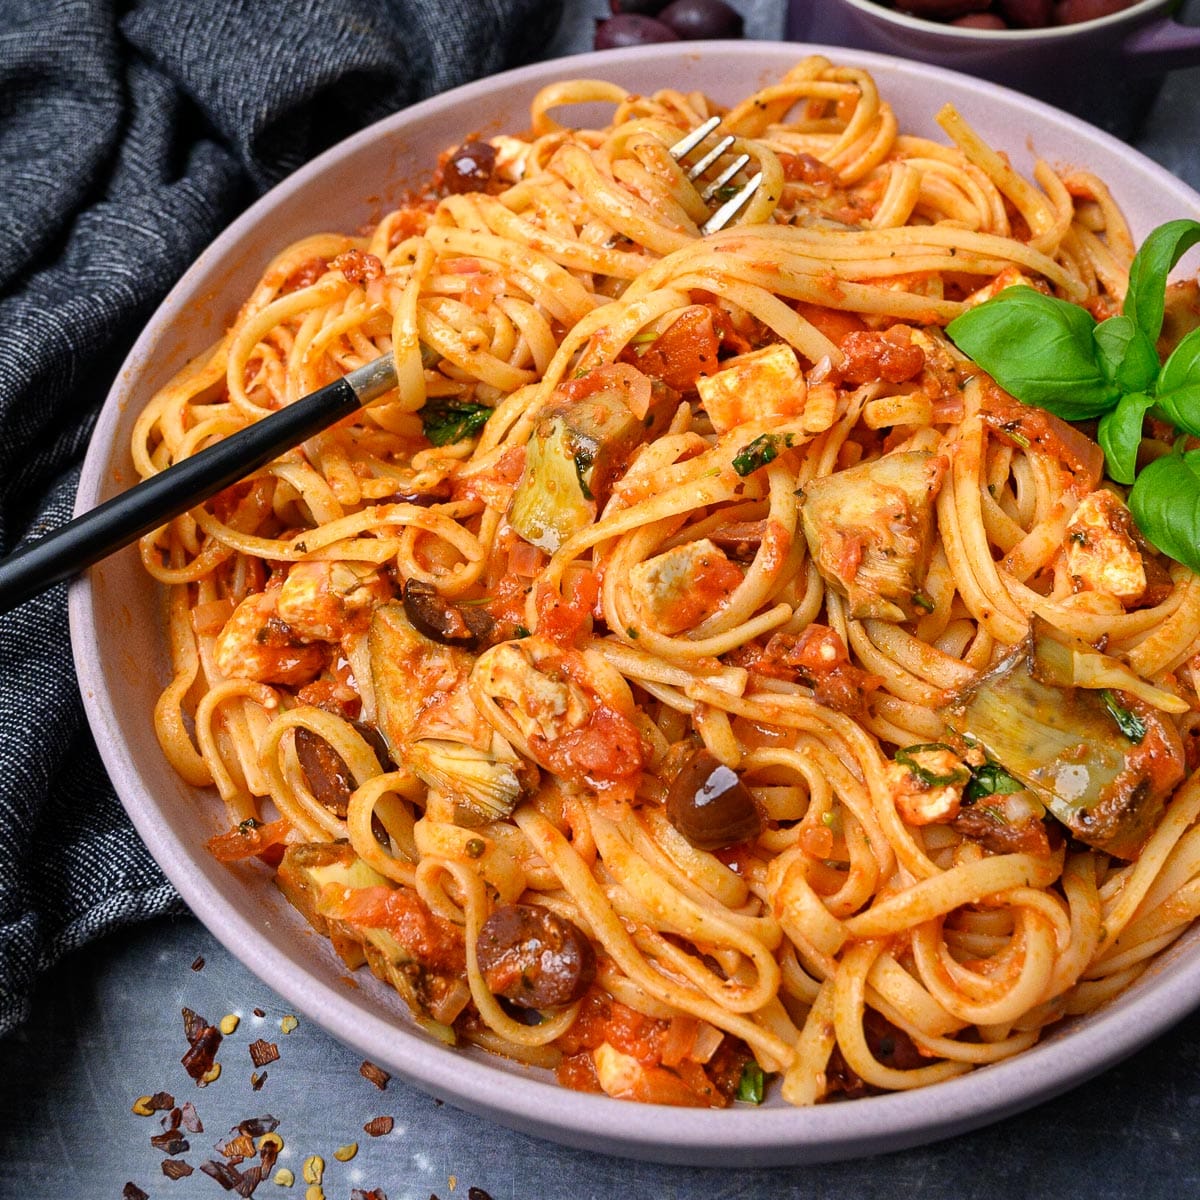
722	576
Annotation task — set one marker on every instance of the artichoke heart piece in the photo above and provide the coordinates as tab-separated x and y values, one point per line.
425	714
578	449
321	881
870	531
1071	746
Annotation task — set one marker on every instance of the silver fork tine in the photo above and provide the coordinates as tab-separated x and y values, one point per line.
724	177
732	206
730	209
687	144
697	169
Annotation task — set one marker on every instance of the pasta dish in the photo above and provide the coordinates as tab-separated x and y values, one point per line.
697	675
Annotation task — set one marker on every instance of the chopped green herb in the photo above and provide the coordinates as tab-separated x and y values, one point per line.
764	449
475	847
247	825
633	633
907	758
1129	723
923	601
991	779
450	421
522	632
752	1086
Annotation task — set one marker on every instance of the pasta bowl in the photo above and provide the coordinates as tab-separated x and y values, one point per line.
117	629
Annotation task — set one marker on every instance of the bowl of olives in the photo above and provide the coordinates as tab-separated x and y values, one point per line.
1102	60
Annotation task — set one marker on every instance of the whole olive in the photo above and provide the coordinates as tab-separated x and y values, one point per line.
694	20
983	20
630	29
646	8
710	805
533	957
1071	12
1027	14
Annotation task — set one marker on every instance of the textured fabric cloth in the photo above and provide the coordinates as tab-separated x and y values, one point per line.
130	135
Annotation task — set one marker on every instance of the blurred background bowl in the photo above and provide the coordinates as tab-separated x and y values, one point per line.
1106	70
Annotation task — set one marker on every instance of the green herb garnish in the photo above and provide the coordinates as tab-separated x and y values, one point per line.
764	449
449	421
1053	354
1129	723
990	779
752	1086
907	758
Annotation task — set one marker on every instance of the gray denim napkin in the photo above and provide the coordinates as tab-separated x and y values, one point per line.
130	135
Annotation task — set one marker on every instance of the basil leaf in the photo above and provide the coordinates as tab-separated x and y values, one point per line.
1120	435
991	779
1039	349
764	449
1178	391
1129	723
1165	502
1127	356
451	421
1161	250
752	1086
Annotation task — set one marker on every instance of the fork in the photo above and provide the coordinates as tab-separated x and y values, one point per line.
144	507
741	196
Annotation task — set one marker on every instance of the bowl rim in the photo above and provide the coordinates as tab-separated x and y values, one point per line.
875	11
733	1137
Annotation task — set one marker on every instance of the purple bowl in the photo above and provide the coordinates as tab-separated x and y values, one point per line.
118	640
1107	71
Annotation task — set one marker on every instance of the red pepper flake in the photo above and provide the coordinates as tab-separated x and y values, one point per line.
263	1052
189	1117
373	1194
377	1075
239	1147
477	1194
170	1143
251	1178
131	1191
198	965
257	1126
378	1126
175	1168
192	1025
202	1052
162	1100
171	1121
257	1080
258	1012
228	1177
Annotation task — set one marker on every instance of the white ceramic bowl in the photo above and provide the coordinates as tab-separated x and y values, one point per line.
119	648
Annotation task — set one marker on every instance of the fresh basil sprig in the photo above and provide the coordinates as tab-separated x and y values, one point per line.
1053	354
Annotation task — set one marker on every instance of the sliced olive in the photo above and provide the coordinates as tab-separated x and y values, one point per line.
327	773
441	620
533	957
328	776
710	805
